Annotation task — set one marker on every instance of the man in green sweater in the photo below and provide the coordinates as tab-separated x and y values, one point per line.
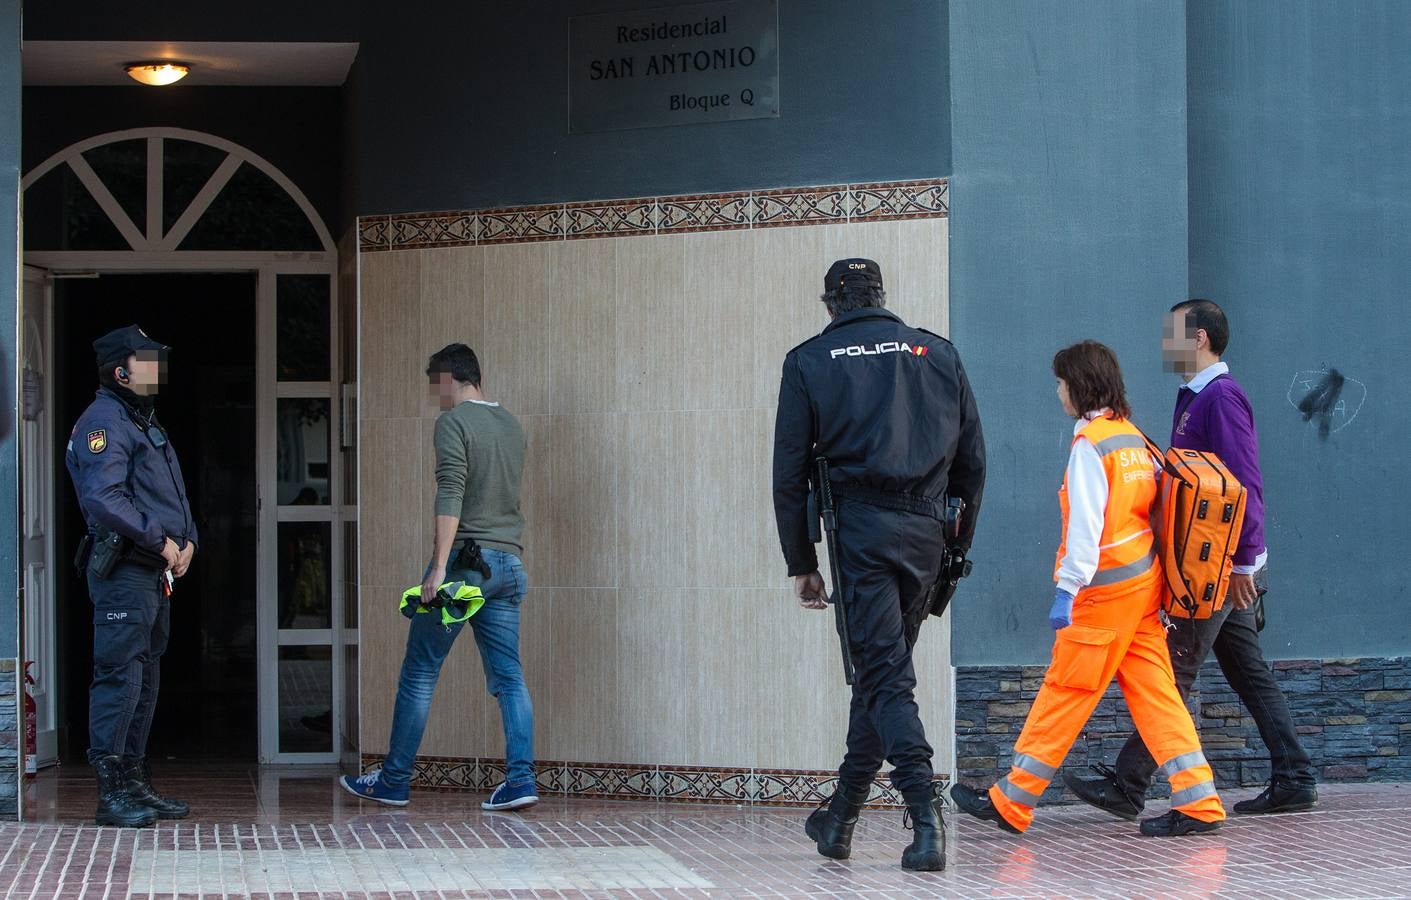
479	462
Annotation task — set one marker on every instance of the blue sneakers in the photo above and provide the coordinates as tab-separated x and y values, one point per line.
512	796
372	787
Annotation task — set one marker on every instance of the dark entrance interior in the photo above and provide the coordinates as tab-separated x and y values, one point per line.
207	706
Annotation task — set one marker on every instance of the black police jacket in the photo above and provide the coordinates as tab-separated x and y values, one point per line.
890	407
125	481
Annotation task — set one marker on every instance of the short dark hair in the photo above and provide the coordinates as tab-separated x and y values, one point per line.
850	297
1094	378
456	360
1207	315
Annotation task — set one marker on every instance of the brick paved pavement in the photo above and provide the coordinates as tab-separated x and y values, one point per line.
294	835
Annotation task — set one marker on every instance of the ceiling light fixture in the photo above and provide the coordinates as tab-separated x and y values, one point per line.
157	73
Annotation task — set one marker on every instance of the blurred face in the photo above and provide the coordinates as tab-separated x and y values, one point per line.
1065	399
1179	343
442	388
146	373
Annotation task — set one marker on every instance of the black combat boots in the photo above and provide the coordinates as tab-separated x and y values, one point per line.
927	852
139	786
115	805
831	824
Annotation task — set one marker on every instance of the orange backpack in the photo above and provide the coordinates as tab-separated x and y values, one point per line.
1198	521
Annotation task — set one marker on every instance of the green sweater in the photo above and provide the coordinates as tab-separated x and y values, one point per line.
479	463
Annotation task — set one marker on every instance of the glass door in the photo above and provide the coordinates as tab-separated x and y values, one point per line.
301	517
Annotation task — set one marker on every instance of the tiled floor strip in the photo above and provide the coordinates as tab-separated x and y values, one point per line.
298	837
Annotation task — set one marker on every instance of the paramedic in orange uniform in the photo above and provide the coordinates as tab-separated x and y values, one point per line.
1105	613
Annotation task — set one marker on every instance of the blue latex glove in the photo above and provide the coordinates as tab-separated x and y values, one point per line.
1060	615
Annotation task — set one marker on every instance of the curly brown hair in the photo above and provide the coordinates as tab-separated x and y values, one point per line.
1094	378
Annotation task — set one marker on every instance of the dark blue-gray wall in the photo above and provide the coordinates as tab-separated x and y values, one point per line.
1300	224
9	306
1068	205
466	106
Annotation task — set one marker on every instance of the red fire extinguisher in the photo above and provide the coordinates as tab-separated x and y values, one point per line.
31	727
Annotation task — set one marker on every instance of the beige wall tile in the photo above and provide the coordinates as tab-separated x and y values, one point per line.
656	458
802	723
585	718
731	538
520	283
657	645
393	513
654	339
570	500
716	356
382	634
917	282
582	345
452	303
389	307
694	500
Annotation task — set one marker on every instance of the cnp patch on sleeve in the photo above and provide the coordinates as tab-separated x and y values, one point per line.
97	441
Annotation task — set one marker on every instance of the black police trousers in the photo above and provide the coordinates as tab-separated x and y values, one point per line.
131	622
888	561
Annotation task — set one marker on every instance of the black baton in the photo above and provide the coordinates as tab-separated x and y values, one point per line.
830	532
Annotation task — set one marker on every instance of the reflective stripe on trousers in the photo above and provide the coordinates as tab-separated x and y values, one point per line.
1191	777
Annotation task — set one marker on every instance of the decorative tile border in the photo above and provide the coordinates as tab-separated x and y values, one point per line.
618	781
825	205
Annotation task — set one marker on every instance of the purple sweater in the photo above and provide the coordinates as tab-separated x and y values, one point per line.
1220	420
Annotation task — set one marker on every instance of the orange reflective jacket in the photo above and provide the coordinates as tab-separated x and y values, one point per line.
1127	547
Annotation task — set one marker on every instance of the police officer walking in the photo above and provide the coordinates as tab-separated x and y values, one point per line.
890	409
140	539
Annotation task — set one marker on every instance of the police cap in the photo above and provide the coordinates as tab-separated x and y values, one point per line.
117	345
859	272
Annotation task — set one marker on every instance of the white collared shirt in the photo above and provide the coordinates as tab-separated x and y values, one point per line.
1205	376
1197	384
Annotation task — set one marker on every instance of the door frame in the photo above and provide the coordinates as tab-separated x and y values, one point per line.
38	643
153	251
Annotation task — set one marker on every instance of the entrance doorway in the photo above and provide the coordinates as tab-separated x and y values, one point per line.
207	709
219	254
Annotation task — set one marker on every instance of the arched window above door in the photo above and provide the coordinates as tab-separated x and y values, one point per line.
166	190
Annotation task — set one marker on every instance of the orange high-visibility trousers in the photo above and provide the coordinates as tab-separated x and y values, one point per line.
1117	633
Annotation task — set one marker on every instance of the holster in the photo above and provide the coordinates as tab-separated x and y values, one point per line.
470	559
106	552
80	559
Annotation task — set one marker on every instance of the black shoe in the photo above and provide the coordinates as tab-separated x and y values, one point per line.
1175	824
832	823
979	805
927	852
139	787
1280	797
1105	793
115	805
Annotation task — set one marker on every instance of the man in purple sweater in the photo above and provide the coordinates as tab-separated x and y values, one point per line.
1214	415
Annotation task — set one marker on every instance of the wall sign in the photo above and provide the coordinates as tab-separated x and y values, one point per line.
679	65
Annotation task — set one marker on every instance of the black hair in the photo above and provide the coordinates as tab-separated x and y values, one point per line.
1207	315
852	296
456	360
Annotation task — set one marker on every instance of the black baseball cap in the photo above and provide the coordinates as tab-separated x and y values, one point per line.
863	272
117	345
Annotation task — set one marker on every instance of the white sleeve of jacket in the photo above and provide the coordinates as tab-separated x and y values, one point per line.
1087	506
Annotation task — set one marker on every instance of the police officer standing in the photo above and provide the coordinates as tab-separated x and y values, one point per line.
890	409
140	539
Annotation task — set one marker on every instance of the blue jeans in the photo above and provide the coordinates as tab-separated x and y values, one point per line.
496	628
